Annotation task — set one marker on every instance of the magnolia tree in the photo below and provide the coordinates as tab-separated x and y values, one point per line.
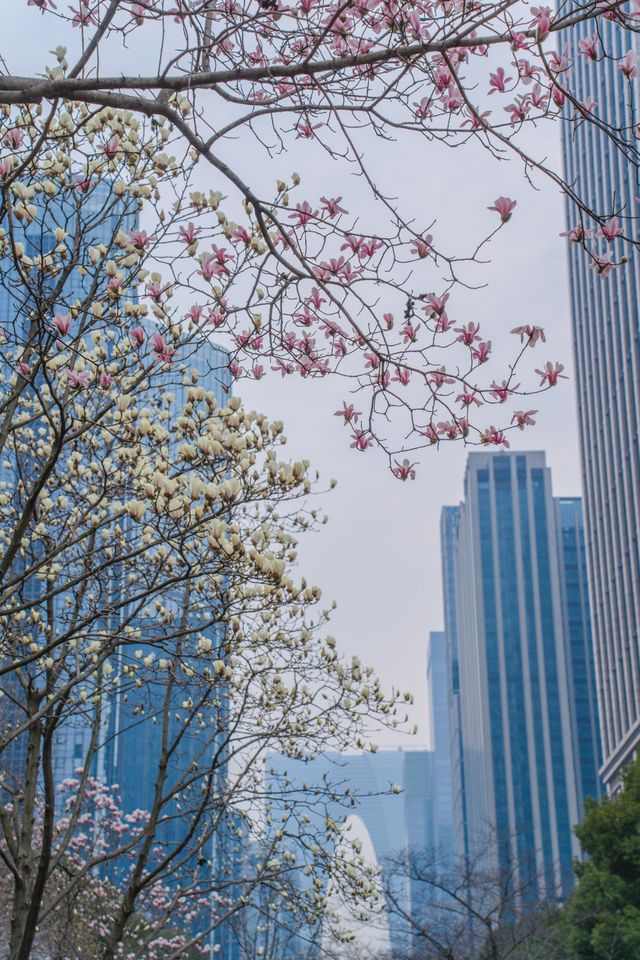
152	631
305	283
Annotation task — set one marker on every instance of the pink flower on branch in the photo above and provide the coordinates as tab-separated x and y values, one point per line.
627	65
588	47
77	380
348	413
404	470
523	418
62	323
361	440
551	373
505	207
494	436
530	333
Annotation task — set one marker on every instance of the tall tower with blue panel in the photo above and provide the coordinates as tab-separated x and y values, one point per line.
449	523
606	333
518	713
438	687
578	638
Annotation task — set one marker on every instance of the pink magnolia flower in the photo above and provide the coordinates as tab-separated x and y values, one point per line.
164	353
498	81
558	95
388	319
519	41
404	470
505	207
283	368
137	336
372	361
240	235
189	234
111	147
627	65
550	373
303	213
6	165
518	110
24	369
530	333
257	371
402	376
140	239
79	381
443	323
440	377
469	334
430	433
410	333
559	62
523	418
332	206
449	429
502	390
577	234
435	305
475	119
348	413
610	230
482	352
62	323
495	436
542	19
42	4
422	247
369	247
361	441
451	100
603	264
305	130
588	47
422	108
527	71
156	291
13	138
105	380
466	398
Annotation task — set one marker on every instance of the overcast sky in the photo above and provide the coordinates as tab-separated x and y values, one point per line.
379	556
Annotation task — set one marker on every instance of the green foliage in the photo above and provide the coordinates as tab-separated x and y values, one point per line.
603	913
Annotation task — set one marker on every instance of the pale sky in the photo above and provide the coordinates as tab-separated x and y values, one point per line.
379	556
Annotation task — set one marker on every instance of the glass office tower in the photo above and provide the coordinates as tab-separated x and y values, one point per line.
438	687
519	736
606	327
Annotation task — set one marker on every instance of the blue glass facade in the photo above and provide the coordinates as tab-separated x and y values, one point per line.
449	522
578	639
606	329
438	687
527	730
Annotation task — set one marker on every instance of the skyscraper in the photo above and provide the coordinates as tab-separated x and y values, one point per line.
576	618
449	521
522	791
438	686
606	328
